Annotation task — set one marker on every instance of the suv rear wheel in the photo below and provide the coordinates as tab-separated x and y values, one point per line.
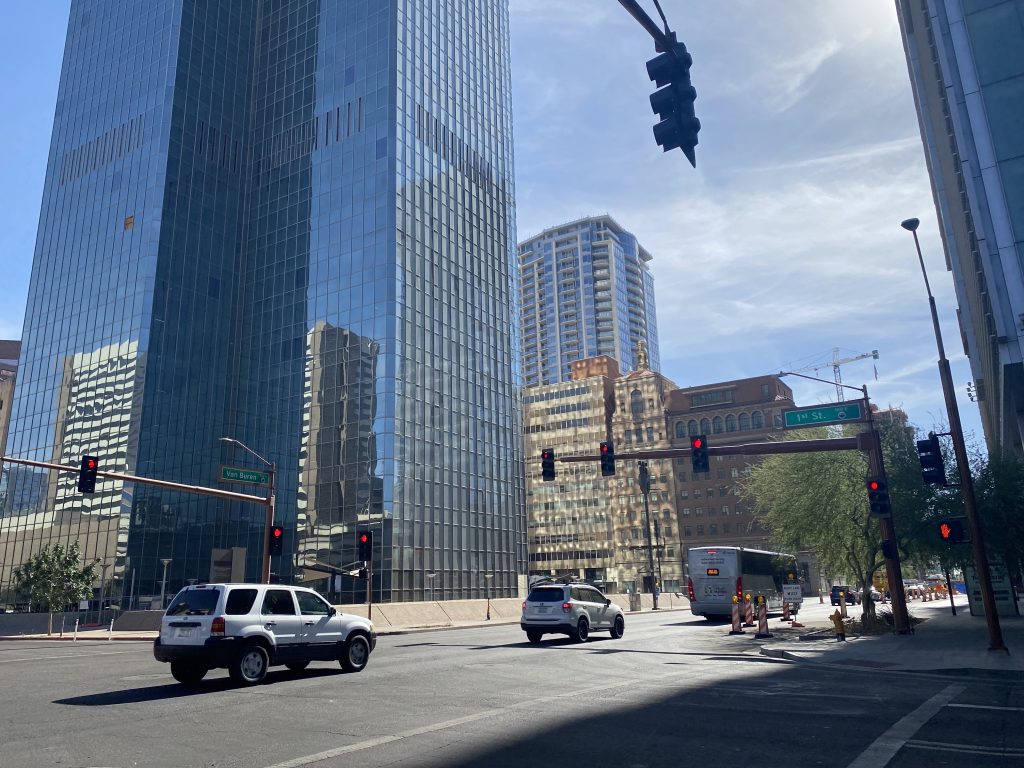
250	665
582	631
534	635
186	673
355	653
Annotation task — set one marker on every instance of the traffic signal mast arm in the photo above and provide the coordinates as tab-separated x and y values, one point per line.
749	449
144	480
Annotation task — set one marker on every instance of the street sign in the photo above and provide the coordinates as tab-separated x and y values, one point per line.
792	593
818	415
239	475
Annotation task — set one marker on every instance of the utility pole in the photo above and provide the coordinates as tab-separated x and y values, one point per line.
645	487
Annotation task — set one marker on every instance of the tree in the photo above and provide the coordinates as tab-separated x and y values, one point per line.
54	578
818	502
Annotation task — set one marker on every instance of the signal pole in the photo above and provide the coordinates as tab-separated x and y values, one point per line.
645	487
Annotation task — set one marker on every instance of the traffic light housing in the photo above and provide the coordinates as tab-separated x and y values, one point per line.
674	102
87	474
699	453
275	544
607	459
878	497
933	466
951	531
365	542
547	464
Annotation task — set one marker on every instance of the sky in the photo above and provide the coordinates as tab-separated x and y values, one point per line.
783	245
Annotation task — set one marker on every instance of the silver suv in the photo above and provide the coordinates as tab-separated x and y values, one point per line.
574	609
249	628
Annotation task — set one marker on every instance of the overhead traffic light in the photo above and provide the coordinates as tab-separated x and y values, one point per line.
365	541
951	531
878	497
699	453
674	103
87	474
275	543
547	464
607	459
933	466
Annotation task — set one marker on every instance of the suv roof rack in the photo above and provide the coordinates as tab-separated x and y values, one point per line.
567	578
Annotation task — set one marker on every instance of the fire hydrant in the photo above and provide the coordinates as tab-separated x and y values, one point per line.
837	620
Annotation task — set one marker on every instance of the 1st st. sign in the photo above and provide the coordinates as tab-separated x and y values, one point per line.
818	415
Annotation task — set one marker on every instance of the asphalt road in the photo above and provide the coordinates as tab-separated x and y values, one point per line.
675	691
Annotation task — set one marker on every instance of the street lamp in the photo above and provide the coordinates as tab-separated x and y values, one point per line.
995	635
430	578
163	583
269	523
487	580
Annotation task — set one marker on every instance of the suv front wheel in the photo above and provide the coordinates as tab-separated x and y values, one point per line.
249	667
355	653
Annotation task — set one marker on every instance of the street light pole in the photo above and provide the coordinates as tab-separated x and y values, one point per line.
645	487
995	634
163	584
269	503
487	580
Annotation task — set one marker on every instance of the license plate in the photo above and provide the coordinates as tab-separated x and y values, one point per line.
181	632
542	609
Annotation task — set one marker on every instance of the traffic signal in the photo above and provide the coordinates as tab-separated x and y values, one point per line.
933	467
878	497
547	464
607	459
365	540
674	103
87	474
699	453
276	542
951	531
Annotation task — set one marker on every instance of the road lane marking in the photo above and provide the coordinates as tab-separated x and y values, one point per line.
987	706
941	746
889	743
63	656
380	740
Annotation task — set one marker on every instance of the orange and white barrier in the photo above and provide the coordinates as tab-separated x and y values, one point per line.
737	628
785	612
762	619
748	612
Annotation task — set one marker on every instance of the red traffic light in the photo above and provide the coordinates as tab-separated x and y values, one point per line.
90	464
604	447
363	538
873	485
277	531
696	442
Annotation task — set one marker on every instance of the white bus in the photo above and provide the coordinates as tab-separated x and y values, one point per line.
718	573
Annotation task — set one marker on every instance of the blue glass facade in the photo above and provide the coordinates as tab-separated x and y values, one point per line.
587	291
289	222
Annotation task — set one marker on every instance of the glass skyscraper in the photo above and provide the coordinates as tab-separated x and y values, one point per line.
587	291
966	62
291	223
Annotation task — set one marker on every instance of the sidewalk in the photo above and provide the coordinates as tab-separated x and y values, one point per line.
941	643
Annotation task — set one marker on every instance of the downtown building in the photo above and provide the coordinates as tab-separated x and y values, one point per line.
587	290
967	70
600	528
290	224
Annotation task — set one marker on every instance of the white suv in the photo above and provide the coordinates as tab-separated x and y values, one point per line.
573	609
248	628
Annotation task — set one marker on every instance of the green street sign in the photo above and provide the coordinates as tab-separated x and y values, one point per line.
824	414
239	475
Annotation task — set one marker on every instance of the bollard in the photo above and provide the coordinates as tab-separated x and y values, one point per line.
842	604
821	597
762	619
748	611
736	622
110	632
837	621
75	639
62	625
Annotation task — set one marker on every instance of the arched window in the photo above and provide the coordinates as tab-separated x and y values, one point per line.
730	423
636	402
717	425
692	427
705	427
757	420
744	422
680	429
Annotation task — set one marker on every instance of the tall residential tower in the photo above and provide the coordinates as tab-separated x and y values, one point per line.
289	223
587	291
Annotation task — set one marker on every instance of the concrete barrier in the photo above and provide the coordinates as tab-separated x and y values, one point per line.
138	621
412	614
467	610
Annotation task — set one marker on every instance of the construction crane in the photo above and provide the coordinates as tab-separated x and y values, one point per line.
836	362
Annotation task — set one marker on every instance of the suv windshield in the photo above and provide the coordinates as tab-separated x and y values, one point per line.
546	595
194	602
